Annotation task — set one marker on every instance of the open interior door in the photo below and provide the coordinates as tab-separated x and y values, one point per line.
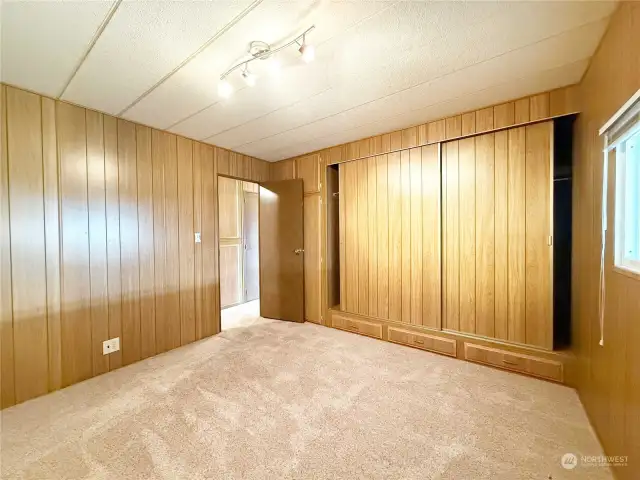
281	250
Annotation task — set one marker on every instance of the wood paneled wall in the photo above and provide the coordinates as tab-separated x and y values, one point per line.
609	383
231	252
390	236
98	218
497	204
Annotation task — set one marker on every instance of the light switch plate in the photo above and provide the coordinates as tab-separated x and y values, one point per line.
198	237
110	346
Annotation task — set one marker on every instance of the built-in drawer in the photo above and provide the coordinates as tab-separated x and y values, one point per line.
538	367
363	327
432	343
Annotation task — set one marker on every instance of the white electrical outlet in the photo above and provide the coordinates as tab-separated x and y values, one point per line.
110	346
198	237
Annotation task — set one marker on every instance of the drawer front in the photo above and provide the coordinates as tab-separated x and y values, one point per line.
363	327
538	367
423	341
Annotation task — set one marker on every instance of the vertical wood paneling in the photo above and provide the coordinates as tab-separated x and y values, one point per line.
382	223
363	238
410	137
484	120
342	213
501	234
186	241
372	222
468	123
112	197
222	160
453	127
467	206
129	260
312	258
28	262
146	243
76	281
52	234
351	236
436	131
539	106
538	227
504	115
395	237
405	195
308	169
98	262
516	185
452	236
395	141
431	267
197	227
415	168
7	379
521	113
172	325
210	308
485	235
159	151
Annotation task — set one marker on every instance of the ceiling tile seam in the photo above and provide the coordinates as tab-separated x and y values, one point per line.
92	44
360	22
422	83
475	92
215	37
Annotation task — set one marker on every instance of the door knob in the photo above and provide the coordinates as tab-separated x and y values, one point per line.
298	251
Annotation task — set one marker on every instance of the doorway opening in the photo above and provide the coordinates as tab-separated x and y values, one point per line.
239	255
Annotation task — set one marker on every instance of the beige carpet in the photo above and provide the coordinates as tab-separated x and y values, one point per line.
285	400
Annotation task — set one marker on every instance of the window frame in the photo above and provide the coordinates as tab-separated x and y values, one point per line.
621	260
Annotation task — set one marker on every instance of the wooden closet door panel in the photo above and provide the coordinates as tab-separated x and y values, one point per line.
516	235
363	237
351	236
501	235
372	192
485	235
415	158
395	237
538	279
382	224
342	234
452	237
405	195
431	251
467	202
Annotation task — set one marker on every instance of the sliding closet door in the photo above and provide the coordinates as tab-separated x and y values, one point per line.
496	225
390	236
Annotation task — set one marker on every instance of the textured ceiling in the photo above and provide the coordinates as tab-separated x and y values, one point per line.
380	65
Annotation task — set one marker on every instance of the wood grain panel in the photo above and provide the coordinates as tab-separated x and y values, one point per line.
222	160
363	238
395	237
395	141
436	131
501	234
197	227
415	169
210	304
539	326
146	242
516	185
52	235
485	235
28	249
75	287
351	237
342	214
467	208
7	377
409	138
539	106
312	292
129	260
451	253
382	224
484	120
308	169
453	127
504	115
521	113
112	194
229	206
468	123
186	241
405	189
98	262
372	222
230	274
431	231
160	146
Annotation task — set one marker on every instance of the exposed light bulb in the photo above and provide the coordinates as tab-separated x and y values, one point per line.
224	88
308	52
249	78
274	66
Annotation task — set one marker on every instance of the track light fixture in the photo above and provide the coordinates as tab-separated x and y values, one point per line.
262	51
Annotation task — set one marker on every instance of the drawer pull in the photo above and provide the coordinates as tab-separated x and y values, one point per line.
508	362
418	341
352	327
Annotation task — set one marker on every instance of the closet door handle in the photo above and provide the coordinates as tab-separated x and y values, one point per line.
298	251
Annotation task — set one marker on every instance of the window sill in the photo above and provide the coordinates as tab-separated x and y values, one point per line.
626	272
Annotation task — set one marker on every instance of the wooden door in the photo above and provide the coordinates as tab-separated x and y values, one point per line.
497	252
281	250
231	254
251	247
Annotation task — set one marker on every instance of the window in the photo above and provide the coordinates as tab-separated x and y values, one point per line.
627	221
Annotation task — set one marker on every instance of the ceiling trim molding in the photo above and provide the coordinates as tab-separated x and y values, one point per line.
92	44
215	37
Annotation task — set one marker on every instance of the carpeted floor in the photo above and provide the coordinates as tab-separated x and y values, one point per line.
285	400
